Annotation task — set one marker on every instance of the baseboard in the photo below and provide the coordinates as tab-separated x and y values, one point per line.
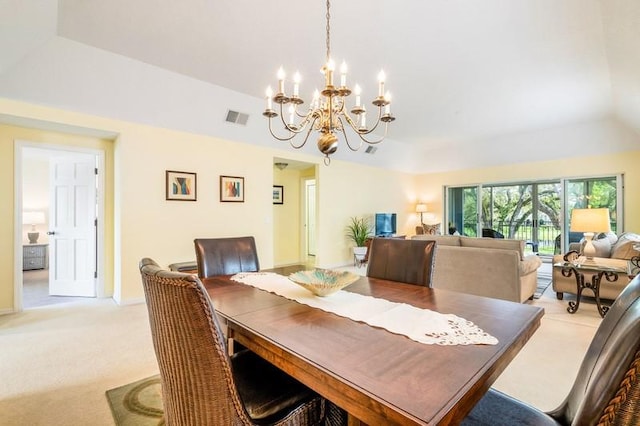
7	311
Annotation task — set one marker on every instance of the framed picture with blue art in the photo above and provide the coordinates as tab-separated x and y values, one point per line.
232	189
181	186
278	194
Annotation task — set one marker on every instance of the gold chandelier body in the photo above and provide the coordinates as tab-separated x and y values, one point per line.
328	112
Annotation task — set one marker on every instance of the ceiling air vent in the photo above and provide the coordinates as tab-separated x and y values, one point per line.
237	117
371	150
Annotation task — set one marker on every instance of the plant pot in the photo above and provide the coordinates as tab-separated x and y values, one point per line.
360	252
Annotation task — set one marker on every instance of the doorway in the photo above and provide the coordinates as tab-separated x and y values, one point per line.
294	212
62	185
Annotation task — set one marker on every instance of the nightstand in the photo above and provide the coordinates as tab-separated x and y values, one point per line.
35	256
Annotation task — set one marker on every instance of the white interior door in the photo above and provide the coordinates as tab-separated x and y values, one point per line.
72	225
310	186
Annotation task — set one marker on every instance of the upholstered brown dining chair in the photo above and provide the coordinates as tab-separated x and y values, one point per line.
607	387
201	383
226	256
407	261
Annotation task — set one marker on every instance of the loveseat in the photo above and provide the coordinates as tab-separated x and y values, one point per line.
489	267
611	250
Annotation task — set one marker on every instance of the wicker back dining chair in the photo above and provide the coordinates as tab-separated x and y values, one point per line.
201	384
226	256
407	261
607	387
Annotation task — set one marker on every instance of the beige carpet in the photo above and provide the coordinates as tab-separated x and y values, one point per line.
57	362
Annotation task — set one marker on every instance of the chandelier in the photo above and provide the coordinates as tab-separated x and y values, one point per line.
328	112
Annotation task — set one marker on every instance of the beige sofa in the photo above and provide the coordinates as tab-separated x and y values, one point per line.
611	250
487	267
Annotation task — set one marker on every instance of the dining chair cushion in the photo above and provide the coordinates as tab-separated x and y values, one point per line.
407	261
498	409
226	256
263	388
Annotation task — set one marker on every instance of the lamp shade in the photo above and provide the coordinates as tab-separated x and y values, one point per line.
421	208
33	218
590	220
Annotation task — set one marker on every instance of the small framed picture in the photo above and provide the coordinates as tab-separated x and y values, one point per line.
278	194
181	186
231	189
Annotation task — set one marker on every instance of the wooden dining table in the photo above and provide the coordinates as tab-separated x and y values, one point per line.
378	377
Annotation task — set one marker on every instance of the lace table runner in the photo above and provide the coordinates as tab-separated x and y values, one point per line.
421	325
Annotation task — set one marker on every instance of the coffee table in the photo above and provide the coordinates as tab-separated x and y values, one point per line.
609	269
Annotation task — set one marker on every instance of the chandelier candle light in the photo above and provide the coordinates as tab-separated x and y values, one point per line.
328	112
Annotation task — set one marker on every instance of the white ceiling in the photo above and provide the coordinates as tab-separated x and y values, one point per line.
461	73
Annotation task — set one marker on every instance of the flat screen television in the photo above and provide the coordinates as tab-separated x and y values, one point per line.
385	224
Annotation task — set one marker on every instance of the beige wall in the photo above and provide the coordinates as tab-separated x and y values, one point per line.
145	224
142	223
431	186
287	218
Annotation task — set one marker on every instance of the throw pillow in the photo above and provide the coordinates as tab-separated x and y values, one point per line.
603	248
432	229
611	236
623	249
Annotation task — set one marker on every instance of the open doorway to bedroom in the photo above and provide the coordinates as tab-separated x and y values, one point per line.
60	197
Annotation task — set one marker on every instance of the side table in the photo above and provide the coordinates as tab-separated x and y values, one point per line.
578	265
35	256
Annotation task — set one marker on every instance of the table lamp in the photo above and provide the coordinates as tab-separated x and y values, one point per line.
421	208
590	221
33	218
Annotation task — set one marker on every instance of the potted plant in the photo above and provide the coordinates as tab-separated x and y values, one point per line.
358	231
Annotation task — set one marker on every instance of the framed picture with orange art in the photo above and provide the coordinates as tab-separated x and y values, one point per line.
181	186
231	189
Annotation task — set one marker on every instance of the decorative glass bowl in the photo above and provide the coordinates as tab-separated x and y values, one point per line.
323	282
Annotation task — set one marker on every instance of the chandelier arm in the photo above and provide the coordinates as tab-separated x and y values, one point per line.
295	130
283	139
362	133
366	132
375	142
346	138
306	138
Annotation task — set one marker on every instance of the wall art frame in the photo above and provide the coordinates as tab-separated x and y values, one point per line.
278	194
231	189
181	186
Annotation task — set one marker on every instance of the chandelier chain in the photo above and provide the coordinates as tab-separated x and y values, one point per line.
328	16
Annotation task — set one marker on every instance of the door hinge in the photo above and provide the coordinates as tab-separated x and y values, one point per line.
95	274
96	170
95	222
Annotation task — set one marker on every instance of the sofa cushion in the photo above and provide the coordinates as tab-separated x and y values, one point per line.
494	243
441	240
530	264
623	248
